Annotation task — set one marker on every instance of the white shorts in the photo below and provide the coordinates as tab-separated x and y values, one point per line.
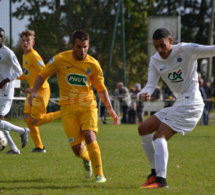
181	118
5	106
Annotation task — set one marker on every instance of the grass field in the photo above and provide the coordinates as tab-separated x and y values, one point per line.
191	167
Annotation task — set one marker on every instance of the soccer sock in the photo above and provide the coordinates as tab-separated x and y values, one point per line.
84	155
161	157
148	146
48	118
95	157
35	134
10	127
10	142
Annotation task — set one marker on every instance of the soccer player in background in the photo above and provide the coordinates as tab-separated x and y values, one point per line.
35	115
10	69
75	72
177	66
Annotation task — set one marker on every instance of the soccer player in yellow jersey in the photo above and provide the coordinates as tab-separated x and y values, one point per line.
35	115
75	71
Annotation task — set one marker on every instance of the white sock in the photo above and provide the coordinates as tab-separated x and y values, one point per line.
148	146
161	157
10	142
10	127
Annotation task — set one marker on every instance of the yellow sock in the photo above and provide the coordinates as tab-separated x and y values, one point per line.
52	116
84	155
35	134
95	157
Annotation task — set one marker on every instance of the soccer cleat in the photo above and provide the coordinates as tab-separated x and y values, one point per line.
39	150
24	137
13	152
100	179
155	185
150	179
87	168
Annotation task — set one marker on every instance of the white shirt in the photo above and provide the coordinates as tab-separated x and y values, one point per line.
9	68
179	70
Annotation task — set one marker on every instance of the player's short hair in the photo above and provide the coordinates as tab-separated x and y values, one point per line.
160	33
1	29
80	34
28	33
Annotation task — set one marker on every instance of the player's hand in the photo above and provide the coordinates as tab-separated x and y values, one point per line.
28	90
114	116
3	83
30	99
144	97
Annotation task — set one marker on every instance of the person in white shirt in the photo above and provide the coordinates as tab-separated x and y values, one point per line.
177	66
10	69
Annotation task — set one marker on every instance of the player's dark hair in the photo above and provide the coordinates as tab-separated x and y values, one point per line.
160	33
1	29
80	34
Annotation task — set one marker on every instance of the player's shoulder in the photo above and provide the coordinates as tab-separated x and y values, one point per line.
92	60
7	49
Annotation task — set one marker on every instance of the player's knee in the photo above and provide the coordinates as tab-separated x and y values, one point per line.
77	149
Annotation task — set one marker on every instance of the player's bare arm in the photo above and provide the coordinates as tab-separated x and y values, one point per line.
3	82
144	97
37	84
105	98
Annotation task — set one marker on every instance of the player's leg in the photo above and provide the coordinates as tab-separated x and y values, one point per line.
145	131
70	120
12	145
38	112
5	106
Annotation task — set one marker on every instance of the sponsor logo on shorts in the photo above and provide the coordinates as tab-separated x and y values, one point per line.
26	71
71	139
76	79
194	45
175	77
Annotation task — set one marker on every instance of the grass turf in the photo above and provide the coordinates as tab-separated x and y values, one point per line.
191	166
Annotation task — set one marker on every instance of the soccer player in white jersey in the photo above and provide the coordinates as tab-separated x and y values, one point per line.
177	66
10	69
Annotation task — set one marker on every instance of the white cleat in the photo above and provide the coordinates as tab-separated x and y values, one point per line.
100	179
87	168
24	137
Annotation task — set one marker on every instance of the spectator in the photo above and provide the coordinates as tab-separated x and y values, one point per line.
139	109
205	95
168	97
156	96
123	96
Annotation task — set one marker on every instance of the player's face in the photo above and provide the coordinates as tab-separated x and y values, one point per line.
2	37
27	43
80	49
163	46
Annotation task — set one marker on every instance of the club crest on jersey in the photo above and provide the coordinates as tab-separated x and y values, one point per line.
26	62
26	71
179	59
51	60
76	79
175	77
88	71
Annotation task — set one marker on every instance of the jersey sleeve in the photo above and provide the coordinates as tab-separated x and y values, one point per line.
13	61
153	78
98	79
50	68
197	51
37	63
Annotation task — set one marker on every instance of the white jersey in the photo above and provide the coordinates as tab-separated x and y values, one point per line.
179	70
9	68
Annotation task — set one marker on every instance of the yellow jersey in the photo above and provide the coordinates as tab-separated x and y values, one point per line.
75	77
32	65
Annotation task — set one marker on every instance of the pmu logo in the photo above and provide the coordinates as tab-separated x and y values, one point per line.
175	77
26	71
